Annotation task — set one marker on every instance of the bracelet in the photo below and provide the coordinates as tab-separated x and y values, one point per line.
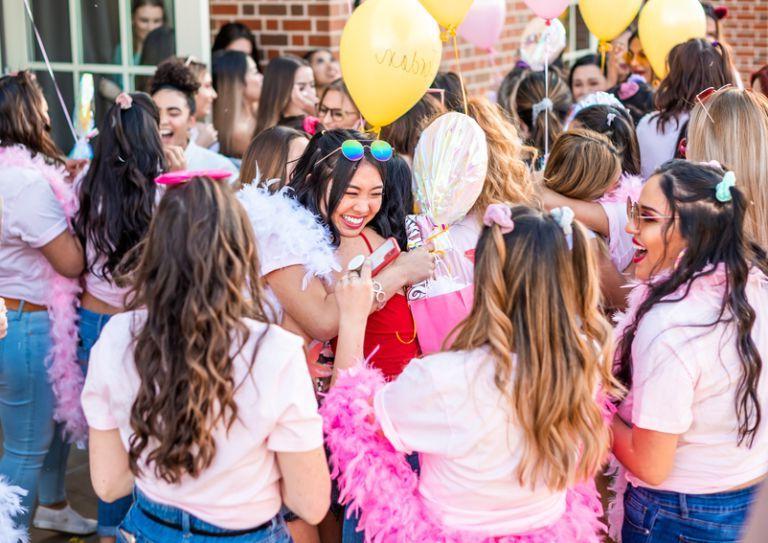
379	295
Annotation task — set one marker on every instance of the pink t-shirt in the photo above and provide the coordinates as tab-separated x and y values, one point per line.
277	412
103	289
684	381
32	218
447	407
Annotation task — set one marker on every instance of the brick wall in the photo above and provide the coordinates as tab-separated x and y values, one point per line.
294	26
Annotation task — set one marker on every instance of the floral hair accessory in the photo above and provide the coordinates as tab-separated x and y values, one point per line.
177	178
564	218
124	100
500	215
723	189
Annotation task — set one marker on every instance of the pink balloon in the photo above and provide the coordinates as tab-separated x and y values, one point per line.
548	9
484	22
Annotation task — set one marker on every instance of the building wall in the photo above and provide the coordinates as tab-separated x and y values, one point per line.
294	26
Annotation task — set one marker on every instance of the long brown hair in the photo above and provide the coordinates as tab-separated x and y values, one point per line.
582	165
551	345
404	133
508	180
268	154
22	117
229	71
276	93
198	278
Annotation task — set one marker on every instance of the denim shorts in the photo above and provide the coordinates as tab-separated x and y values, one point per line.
656	516
152	522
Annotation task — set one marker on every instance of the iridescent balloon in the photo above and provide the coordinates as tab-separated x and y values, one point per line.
542	42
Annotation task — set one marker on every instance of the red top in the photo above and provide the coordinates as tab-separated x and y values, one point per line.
391	329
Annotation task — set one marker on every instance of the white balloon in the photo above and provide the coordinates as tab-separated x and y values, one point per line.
542	43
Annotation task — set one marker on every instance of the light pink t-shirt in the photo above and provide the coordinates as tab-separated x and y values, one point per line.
657	147
32	218
277	412
447	407
103	289
684	382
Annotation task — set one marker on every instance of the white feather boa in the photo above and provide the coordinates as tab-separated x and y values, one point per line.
288	234
10	507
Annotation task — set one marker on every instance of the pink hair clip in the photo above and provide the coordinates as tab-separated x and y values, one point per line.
124	100
500	215
177	178
628	89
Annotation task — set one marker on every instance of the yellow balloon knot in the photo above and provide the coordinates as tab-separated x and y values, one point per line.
604	47
448	34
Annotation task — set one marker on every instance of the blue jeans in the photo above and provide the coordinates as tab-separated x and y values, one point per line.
349	533
90	327
34	453
655	516
152	522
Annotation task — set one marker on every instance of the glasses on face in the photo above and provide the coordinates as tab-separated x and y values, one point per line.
337	114
708	93
636	218
629	56
354	150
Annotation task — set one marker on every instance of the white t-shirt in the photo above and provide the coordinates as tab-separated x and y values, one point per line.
684	382
447	407
32	218
657	147
277	412
199	158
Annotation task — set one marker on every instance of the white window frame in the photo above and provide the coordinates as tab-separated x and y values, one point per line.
191	26
574	53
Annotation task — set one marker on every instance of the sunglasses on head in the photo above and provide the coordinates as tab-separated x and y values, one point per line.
354	150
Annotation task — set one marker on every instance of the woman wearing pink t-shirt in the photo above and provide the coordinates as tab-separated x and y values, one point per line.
194	397
36	251
691	432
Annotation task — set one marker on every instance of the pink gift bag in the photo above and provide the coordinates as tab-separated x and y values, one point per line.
436	317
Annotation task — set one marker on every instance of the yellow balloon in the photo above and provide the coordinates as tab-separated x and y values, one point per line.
449	13
390	54
666	23
606	19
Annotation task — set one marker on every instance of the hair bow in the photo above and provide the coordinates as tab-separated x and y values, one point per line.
564	218
723	189
539	107
176	178
124	100
500	215
610	118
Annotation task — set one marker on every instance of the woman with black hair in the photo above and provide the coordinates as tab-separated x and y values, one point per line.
174	88
586	77
237	37
117	201
691	432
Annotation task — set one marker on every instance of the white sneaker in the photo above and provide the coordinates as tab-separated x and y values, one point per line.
65	520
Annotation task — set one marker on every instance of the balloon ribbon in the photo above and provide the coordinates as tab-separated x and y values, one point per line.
450	33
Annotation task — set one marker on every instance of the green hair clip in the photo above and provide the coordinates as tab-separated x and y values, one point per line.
723	189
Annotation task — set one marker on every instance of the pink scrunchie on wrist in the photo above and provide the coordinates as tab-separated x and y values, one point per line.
500	215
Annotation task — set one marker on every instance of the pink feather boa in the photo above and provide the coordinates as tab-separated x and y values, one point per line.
376	480
64	372
629	186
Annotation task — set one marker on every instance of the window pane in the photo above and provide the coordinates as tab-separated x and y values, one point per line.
100	31
152	33
59	129
52	20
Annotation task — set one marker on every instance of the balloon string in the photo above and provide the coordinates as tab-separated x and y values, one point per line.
604	47
546	93
452	32
50	71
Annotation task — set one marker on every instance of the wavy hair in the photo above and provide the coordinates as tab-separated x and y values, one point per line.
714	235
22	119
508	180
118	194
550	343
198	278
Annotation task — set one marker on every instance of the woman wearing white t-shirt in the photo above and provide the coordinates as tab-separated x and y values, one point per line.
691	433
193	396
498	419
37	251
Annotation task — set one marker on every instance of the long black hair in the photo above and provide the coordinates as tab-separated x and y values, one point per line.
322	164
620	130
397	202
714	232
117	196
234	31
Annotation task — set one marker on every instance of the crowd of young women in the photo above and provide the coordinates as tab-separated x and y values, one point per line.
221	297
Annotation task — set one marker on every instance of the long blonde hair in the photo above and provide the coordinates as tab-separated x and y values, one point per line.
545	310
508	180
582	165
737	137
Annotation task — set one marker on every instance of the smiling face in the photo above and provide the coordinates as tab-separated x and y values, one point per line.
145	20
657	243
325	68
175	117
586	80
360	203
205	96
338	111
